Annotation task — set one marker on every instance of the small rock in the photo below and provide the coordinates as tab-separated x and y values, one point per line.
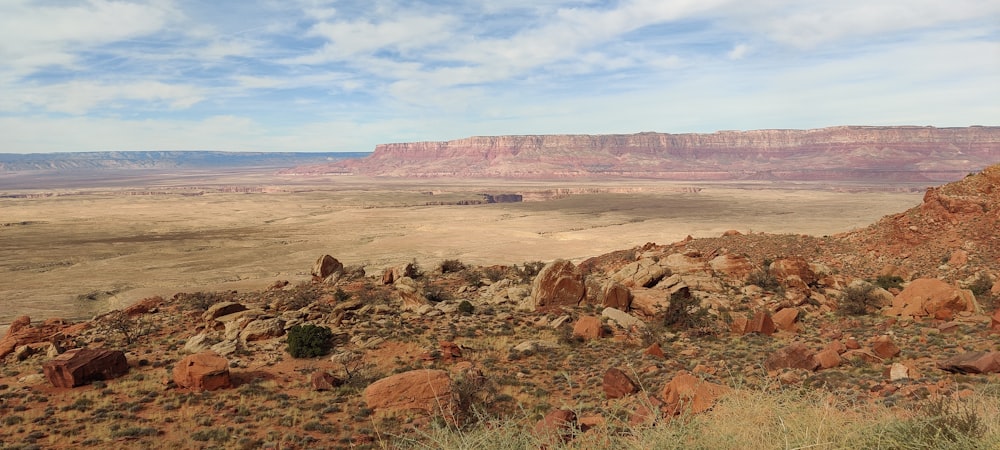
617	384
588	327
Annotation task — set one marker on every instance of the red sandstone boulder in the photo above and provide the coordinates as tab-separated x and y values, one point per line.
82	365
784	268
22	333
144	306
929	297
654	350
687	392
327	267
760	323
205	371
884	347
617	296
794	356
588	327
784	319
423	389
973	362
995	320
557	426
828	358
323	381
617	384
558	284
642	273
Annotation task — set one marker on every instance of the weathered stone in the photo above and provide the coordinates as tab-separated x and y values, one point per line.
784	268
222	309
687	392
205	371
588	327
898	372
884	347
654	350
557	426
732	266
622	318
684	263
760	323
617	296
322	380
82	365
617	384
143	306
995	320
327	268
784	319
642	273
21	333
197	343
558	284
263	329
972	362
828	358
794	356
927	296
423	390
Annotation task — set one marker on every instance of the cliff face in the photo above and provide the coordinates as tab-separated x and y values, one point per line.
838	153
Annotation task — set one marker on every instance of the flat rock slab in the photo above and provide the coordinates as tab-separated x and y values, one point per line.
82	365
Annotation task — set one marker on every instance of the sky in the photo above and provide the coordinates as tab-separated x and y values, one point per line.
316	75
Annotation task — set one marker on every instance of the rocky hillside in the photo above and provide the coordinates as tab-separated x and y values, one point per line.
880	338
870	154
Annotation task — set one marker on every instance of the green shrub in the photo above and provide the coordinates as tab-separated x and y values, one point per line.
685	312
308	341
859	300
452	265
764	279
465	307
889	281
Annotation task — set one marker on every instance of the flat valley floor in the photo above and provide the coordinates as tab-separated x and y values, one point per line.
76	252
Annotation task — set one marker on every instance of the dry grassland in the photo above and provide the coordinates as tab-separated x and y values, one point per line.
91	249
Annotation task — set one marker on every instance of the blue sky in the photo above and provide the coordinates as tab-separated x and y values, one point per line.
314	75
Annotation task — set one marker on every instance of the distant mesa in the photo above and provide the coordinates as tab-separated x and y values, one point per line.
847	153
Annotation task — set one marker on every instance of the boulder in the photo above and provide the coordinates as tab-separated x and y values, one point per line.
393	274
683	263
557	426
884	347
559	283
616	295
322	380
687	392
784	268
958	258
327	268
654	349
898	372
263	329
972	362
82	365
760	323
426	390
143	306
643	273
21	333
588	327
784	319
794	356
617	384
205	371
622	318
222	309
732	266
929	296
995	320
197	343
828	358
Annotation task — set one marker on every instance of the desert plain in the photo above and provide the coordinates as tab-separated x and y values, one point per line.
77	248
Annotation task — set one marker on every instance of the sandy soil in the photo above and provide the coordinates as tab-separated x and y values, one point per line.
86	251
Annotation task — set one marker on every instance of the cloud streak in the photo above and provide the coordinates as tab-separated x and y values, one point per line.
346	75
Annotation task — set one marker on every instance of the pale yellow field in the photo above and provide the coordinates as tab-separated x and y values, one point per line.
120	248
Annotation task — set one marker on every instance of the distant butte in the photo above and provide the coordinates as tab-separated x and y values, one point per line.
846	153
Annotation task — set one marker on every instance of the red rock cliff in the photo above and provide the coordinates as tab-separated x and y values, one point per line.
838	153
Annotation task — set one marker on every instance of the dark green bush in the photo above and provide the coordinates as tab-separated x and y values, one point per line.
889	281
465	307
308	341
685	312
859	300
452	265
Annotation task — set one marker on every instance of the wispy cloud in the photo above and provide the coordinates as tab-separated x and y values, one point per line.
345	75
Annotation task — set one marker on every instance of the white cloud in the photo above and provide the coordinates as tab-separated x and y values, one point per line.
80	97
347	40
738	51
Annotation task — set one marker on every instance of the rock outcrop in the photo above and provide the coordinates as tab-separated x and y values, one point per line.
559	283
931	296
83	365
426	390
206	371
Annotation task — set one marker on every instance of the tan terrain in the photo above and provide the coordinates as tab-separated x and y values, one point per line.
83	252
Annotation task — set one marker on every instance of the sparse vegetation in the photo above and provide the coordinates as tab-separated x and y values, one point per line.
309	341
889	282
685	312
452	266
859	300
129	329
